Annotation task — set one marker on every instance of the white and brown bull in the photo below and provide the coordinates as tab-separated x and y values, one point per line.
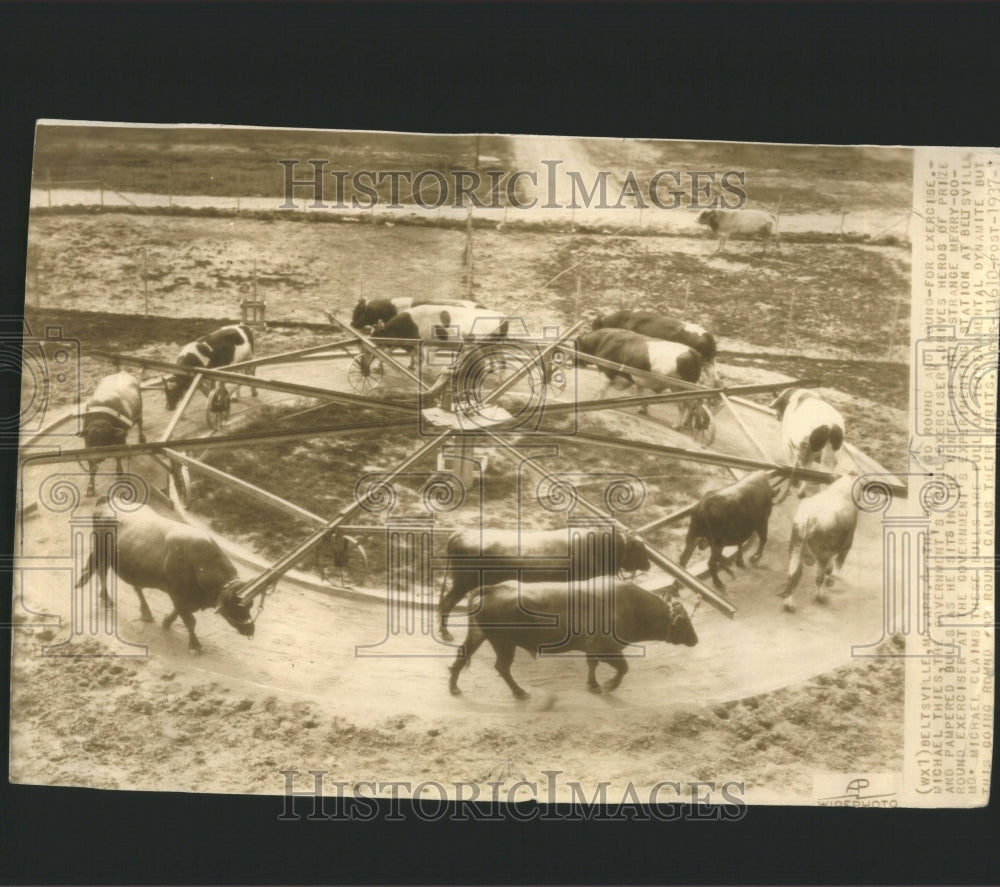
744	223
657	325
183	561
812	430
730	516
110	413
822	534
626	351
467	546
220	348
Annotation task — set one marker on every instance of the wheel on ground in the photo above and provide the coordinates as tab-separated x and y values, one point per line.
219	405
341	560
365	378
702	424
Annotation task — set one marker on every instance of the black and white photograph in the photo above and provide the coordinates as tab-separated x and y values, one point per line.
505	468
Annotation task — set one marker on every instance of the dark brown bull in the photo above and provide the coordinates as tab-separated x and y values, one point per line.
730	516
466	546
185	562
544	619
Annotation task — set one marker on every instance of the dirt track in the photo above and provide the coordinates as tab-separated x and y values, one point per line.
301	669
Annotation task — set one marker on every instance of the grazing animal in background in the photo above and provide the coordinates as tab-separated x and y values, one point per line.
813	431
749	223
545	618
660	326
112	410
185	562
438	322
220	348
730	516
466	547
822	534
633	351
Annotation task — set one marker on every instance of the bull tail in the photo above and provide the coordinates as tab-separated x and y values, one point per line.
88	570
248	333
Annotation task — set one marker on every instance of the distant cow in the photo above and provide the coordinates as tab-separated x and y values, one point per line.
466	546
660	326
633	351
224	346
730	516
438	322
813	431
822	534
550	617
748	223
185	562
113	408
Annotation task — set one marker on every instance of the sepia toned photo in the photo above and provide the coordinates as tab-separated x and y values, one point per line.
489	469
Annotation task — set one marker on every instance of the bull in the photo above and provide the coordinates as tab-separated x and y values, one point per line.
812	430
822	534
730	516
540	618
185	562
670	329
220	348
110	413
749	223
465	546
632	351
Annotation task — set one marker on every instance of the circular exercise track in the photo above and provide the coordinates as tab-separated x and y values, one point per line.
308	632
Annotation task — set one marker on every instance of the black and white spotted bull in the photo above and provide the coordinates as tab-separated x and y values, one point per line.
369	315
427	322
670	329
744	223
110	413
554	617
224	346
813	431
730	516
822	534
467	546
633	351
185	562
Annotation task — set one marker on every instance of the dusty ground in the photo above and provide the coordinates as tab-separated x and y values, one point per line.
224	722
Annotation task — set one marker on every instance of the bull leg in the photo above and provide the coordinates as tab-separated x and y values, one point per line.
505	658
644	409
714	559
142	434
91	489
592	684
689	547
145	613
794	569
739	556
448	600
822	568
252	371
169	619
473	641
620	666
118	467
604	390
761	542
193	644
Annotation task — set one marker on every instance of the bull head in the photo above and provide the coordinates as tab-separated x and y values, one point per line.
679	628
233	610
635	558
174	388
